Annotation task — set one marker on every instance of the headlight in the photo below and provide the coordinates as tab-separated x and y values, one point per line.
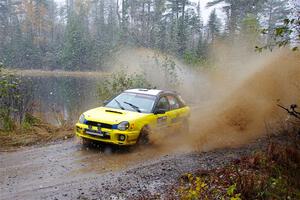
123	126
81	119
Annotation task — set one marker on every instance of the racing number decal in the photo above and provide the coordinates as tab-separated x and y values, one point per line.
162	120
163	105
176	119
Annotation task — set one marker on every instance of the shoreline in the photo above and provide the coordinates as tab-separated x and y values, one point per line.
57	73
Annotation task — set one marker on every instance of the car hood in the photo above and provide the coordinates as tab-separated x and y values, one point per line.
111	115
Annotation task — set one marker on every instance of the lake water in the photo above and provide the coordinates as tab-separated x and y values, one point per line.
63	98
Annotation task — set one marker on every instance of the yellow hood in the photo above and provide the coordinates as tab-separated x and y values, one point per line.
111	115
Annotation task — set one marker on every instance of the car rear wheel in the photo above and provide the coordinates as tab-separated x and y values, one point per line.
144	136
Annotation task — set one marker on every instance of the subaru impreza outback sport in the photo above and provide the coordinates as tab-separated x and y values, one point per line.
131	116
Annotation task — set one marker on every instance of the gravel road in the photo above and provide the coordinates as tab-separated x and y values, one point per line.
69	170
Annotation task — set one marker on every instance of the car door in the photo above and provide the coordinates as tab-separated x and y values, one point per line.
174	113
161	111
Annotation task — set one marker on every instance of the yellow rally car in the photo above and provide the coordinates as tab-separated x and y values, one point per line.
131	116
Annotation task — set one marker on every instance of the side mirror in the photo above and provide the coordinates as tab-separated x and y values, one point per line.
159	111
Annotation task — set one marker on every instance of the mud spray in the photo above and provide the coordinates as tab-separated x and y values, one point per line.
251	102
232	102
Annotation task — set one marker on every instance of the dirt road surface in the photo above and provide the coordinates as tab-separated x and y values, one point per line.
69	170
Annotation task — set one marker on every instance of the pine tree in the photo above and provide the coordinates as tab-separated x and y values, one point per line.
76	49
125	21
159	32
274	12
236	11
214	26
249	32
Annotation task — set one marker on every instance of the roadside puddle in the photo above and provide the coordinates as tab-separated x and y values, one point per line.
108	158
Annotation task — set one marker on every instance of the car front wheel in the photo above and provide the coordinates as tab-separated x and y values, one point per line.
144	136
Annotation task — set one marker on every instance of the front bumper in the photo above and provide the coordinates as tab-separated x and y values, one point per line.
111	136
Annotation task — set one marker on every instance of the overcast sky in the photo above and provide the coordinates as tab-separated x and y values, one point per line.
205	11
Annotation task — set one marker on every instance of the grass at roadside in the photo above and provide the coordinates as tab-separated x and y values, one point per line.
37	134
58	73
272	171
270	174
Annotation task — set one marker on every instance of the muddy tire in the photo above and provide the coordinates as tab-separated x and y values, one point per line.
143	138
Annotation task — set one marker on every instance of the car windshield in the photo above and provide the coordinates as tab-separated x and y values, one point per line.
133	102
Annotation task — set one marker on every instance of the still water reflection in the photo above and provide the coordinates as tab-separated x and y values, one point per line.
58	99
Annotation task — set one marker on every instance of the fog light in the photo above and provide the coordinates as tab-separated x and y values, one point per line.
122	137
78	129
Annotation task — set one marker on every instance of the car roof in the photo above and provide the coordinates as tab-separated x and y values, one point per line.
154	92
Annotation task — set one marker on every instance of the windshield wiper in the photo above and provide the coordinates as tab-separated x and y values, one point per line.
119	104
133	106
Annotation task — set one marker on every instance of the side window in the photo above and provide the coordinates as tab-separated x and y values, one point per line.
174	104
163	104
181	101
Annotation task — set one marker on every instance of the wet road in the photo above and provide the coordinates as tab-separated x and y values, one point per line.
69	170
